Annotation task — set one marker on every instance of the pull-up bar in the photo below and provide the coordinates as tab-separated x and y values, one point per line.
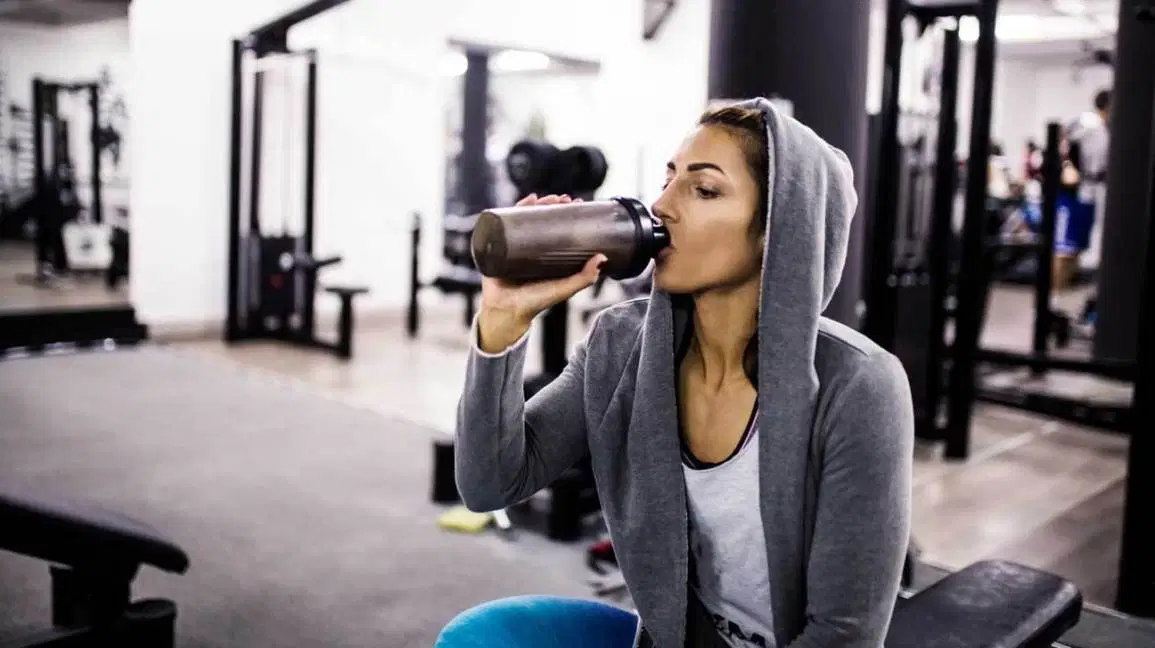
273	35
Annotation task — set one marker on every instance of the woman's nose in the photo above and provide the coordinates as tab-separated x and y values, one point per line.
660	209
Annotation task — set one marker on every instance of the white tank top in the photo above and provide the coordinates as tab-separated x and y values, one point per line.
728	545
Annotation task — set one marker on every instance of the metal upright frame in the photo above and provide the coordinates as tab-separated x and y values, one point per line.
45	105
878	323
270	38
969	295
882	322
1136	579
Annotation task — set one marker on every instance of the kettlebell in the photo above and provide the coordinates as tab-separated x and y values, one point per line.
539	242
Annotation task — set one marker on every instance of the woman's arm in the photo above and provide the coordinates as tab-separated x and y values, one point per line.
508	449
862	528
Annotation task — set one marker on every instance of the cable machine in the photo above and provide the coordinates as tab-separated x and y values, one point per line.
272	280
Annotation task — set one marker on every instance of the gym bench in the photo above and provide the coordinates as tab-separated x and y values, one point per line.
94	556
989	604
343	347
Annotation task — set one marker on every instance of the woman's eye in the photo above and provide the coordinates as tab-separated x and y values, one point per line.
706	193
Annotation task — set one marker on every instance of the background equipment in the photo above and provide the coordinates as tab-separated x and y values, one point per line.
273	276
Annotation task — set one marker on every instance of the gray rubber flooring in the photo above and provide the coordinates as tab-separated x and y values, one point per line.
307	520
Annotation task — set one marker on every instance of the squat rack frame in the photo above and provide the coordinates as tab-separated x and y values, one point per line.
884	321
45	96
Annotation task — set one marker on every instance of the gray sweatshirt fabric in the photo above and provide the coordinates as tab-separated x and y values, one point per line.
836	430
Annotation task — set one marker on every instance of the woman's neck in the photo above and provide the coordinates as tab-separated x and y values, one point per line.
724	322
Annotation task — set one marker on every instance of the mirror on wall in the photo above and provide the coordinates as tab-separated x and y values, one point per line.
529	95
64	210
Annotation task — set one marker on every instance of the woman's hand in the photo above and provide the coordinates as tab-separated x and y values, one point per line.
507	310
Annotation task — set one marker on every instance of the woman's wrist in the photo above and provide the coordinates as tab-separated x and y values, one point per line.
498	330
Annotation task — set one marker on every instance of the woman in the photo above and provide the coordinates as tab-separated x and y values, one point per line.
752	458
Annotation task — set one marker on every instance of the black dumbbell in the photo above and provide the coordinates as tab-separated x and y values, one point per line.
532	165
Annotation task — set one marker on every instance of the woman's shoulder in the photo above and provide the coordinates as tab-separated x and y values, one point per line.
857	375
846	359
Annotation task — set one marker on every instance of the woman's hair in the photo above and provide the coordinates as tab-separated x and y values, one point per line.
747	126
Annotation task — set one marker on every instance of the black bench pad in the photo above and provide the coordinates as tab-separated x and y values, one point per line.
82	535
990	604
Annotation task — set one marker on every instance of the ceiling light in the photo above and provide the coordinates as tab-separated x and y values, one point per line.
1028	28
519	61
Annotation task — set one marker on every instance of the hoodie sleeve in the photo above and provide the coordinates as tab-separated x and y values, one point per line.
508	449
862	527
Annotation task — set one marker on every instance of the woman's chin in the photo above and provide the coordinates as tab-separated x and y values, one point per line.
667	281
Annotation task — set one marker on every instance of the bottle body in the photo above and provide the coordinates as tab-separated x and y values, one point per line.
539	242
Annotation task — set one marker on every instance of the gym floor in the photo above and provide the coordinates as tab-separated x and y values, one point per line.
18	261
1040	492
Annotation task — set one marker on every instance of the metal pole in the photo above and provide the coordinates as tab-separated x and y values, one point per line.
1052	168
94	136
970	293
308	312
1136	591
254	229
233	329
38	108
310	148
413	319
879	321
475	187
1123	230
940	228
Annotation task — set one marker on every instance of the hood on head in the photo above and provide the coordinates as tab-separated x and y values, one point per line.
811	206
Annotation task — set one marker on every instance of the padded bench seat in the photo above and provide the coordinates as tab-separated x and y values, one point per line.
82	536
989	604
94	555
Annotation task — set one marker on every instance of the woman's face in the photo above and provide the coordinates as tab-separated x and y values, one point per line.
708	205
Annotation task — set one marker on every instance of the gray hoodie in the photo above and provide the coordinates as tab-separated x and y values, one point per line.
836	427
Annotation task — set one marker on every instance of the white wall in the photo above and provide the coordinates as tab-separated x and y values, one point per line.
68	54
60	53
381	130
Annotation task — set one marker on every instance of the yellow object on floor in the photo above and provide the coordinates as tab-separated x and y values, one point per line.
462	519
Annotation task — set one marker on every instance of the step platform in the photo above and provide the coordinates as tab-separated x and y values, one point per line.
36	331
